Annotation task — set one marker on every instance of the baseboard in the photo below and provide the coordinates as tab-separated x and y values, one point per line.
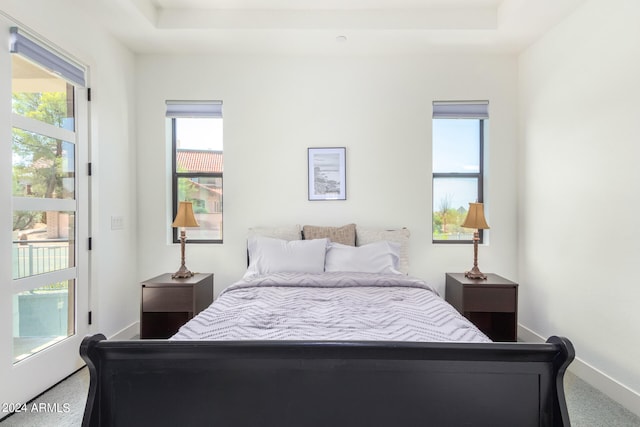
596	378
127	333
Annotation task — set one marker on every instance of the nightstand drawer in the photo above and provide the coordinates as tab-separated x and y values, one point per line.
167	299
489	299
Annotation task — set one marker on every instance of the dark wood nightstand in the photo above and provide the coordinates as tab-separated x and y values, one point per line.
168	303
491	304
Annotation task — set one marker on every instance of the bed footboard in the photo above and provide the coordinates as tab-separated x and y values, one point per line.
318	384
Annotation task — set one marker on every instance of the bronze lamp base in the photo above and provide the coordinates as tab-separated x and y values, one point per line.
475	273
183	273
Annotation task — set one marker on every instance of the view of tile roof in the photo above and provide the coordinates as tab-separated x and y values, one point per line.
199	160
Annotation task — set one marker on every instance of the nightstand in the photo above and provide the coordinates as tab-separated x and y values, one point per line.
167	303
491	304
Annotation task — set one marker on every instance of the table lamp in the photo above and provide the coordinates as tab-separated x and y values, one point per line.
475	219
184	218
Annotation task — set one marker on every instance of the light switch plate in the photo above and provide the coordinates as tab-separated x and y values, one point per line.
117	222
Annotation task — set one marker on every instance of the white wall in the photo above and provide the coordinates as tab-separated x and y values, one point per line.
111	75
379	108
580	189
115	290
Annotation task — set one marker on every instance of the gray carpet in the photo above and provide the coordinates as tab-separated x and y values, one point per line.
588	407
68	399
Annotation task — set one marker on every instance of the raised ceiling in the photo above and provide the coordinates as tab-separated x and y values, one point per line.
321	26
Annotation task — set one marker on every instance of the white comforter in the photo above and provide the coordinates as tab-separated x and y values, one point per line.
330	306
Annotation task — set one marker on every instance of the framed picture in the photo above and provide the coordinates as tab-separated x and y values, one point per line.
327	173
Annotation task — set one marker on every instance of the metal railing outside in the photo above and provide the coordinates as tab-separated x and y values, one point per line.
40	256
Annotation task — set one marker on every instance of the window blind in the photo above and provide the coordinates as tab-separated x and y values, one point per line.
194	109
461	109
28	47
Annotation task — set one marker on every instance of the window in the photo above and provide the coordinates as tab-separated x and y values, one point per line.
458	144
197	164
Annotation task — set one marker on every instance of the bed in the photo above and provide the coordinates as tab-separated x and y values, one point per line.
336	344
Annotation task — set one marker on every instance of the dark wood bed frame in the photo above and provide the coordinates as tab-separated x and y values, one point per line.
325	384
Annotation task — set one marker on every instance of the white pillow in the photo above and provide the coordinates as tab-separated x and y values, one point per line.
378	257
366	235
268	255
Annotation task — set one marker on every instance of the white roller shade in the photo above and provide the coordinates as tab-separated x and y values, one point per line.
194	109
47	58
461	109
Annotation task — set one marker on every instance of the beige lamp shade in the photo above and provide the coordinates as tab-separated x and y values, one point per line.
475	217
185	216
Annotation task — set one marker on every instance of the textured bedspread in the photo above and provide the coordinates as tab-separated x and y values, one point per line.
330	306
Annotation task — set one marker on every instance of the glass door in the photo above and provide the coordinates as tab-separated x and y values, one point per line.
44	208
49	212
